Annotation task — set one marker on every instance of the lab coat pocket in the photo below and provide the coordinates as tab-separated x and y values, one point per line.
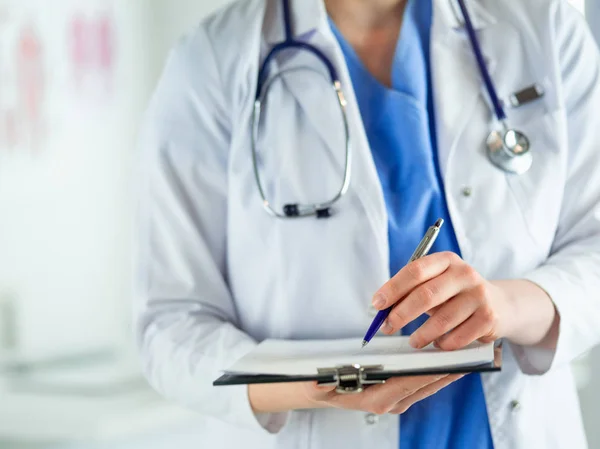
539	191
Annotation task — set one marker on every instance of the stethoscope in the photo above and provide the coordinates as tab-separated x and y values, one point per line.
507	148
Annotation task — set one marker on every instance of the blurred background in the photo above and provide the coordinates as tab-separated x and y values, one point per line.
75	78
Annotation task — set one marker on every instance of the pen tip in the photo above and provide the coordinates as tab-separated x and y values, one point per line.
364	343
439	223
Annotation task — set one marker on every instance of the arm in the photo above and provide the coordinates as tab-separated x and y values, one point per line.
551	316
533	316
571	275
185	319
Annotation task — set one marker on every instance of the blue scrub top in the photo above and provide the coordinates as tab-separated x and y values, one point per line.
401	133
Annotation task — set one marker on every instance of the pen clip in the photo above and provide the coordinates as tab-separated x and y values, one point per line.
427	242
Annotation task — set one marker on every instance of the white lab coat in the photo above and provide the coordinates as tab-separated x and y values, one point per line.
216	274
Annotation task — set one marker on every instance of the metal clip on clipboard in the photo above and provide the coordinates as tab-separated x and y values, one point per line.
351	379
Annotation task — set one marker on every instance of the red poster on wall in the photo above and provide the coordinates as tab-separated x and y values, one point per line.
92	52
83	59
22	86
31	85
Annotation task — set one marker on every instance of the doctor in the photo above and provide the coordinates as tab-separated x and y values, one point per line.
481	112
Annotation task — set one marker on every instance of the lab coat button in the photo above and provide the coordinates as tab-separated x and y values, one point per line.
467	191
515	405
371	418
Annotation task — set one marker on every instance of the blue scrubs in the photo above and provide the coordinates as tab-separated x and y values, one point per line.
401	133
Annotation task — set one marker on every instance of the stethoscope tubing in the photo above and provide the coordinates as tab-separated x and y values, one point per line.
514	158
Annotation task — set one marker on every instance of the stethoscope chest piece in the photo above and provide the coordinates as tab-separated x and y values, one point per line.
509	150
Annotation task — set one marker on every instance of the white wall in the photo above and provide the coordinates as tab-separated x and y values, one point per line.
65	211
62	209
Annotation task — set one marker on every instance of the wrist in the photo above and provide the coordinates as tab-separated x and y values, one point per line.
507	310
527	314
281	397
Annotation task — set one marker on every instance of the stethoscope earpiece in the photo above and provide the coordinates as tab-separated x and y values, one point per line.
510	150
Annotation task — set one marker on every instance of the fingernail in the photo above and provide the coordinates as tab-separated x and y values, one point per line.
378	301
387	327
413	341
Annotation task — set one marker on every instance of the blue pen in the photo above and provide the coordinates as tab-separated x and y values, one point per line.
421	251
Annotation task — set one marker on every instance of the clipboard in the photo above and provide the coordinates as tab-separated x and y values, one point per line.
354	378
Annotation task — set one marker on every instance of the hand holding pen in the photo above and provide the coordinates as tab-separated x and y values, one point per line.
421	251
462	305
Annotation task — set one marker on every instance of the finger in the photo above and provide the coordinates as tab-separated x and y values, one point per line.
431	311
431	294
479	325
423	393
412	275
382	400
449	316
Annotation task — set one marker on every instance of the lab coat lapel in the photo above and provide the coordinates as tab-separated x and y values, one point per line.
307	79
457	82
310	86
312	26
